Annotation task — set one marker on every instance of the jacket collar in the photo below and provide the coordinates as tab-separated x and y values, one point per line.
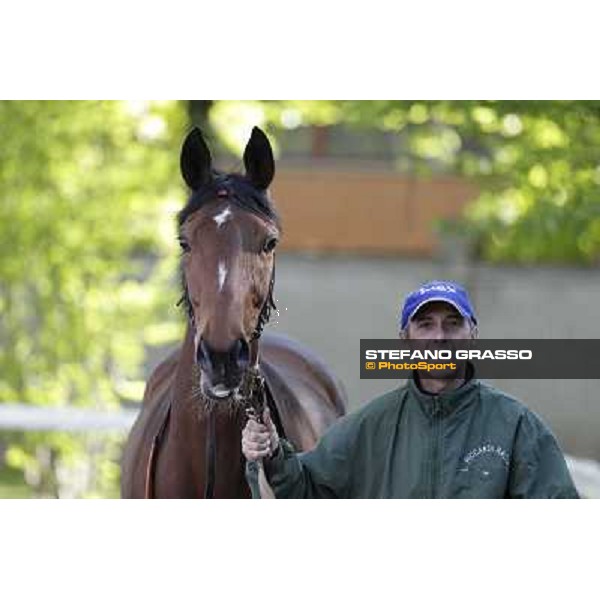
446	402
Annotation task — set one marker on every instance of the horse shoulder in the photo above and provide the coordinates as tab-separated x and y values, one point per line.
148	422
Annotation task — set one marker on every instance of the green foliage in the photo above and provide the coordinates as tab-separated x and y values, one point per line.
12	484
88	193
537	164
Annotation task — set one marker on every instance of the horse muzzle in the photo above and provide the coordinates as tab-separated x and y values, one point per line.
222	371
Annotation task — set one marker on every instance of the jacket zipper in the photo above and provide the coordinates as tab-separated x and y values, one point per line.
435	458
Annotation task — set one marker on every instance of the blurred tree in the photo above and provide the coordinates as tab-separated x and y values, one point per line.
537	163
198	113
88	192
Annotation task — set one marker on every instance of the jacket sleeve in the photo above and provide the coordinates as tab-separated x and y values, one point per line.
323	472
538	467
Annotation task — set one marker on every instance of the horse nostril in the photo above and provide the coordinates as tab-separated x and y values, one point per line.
224	367
202	356
243	353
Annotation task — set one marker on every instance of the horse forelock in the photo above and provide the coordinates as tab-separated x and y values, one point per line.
234	188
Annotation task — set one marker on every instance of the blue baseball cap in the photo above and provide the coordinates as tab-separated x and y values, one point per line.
437	291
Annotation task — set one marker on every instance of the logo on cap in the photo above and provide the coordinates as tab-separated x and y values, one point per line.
440	287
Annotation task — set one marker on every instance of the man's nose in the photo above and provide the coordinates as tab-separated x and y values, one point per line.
438	332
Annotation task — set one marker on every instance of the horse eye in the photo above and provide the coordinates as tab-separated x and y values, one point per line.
184	245
270	244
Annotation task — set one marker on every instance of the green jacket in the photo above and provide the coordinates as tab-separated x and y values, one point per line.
473	442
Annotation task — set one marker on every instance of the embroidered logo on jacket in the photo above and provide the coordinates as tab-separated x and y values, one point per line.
484	458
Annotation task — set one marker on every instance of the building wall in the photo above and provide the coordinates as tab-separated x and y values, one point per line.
370	211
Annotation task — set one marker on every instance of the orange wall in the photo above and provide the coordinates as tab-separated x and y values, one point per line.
370	211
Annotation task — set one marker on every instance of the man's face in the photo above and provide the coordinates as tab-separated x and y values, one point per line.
439	321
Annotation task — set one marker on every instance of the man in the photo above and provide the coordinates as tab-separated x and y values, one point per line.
446	437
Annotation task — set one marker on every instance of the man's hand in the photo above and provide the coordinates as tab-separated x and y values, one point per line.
258	440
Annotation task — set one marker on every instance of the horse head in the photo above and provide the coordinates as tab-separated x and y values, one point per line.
228	231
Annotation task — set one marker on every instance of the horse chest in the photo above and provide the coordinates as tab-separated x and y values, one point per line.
182	468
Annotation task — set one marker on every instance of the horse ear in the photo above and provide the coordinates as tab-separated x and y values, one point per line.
258	160
195	160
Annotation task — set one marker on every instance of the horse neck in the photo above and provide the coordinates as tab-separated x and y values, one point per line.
190	427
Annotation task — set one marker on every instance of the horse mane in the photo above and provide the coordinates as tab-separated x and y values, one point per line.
240	192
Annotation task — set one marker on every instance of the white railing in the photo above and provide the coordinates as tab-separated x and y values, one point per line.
38	418
586	474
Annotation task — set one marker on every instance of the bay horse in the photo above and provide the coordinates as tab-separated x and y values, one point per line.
186	441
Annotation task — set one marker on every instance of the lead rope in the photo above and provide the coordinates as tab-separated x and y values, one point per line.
256	398
254	385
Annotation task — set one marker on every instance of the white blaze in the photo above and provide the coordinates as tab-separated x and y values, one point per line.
222	275
222	216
